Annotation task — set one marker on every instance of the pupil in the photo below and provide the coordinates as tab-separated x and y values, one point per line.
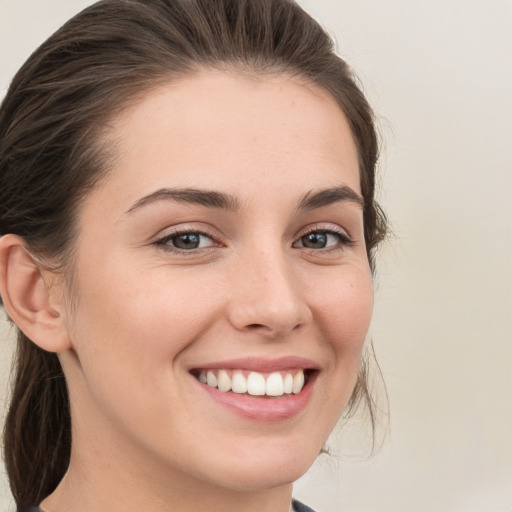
315	240
187	241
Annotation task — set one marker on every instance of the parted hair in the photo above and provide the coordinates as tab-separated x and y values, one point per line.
51	154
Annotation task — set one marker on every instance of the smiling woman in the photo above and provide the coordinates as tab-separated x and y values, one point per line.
188	219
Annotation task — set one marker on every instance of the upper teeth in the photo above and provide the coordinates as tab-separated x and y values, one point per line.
254	383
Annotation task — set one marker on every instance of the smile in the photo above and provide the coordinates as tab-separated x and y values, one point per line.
265	390
254	383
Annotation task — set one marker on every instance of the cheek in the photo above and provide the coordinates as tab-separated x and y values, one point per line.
134	320
129	330
344	311
343	304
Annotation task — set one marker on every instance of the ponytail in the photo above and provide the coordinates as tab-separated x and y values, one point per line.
37	432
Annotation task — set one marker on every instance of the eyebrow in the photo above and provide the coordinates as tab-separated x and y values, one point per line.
326	197
220	200
207	198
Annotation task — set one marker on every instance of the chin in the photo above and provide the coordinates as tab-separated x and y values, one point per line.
267	467
260	479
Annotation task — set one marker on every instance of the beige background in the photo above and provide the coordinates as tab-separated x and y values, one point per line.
439	75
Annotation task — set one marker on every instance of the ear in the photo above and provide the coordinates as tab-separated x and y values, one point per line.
30	297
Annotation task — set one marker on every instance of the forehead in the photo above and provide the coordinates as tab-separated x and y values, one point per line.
233	130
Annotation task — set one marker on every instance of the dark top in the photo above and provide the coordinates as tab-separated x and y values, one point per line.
297	506
300	507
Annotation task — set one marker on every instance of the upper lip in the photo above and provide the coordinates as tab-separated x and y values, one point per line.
258	364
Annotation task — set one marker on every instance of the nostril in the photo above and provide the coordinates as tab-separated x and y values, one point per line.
255	326
273	329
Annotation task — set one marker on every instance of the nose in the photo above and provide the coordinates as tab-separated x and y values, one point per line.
267	297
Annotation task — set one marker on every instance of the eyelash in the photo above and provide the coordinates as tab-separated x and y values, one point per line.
343	240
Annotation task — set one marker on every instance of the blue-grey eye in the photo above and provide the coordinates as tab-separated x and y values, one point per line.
320	240
190	241
314	240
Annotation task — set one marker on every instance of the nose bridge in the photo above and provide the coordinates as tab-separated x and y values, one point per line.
266	295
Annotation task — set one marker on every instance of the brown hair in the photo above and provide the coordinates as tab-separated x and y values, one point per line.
51	122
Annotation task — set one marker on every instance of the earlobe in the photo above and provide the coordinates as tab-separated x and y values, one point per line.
27	297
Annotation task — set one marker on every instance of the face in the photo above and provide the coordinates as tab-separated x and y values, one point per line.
220	261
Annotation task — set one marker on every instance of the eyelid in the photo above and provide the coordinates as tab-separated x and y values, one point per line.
326	228
189	227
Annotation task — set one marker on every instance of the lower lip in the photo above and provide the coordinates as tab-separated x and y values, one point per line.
263	408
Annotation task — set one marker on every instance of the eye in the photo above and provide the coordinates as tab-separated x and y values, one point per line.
187	241
323	239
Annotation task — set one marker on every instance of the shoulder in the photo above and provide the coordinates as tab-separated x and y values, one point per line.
300	507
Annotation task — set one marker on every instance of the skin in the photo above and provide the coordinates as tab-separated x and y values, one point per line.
145	435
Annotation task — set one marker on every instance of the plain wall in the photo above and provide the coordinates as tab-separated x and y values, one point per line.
439	75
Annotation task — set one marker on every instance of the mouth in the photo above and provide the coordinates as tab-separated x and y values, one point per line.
254	383
260	390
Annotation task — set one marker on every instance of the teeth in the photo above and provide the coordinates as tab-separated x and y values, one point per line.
239	384
211	379
298	382
256	383
275	385
288	383
223	381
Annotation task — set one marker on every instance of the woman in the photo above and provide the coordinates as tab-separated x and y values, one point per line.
188	219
